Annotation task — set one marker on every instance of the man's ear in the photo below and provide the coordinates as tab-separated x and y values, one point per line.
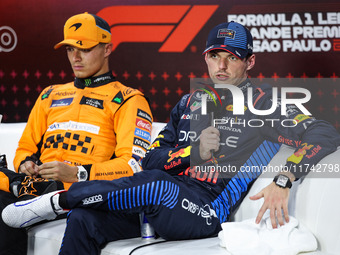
205	57
108	49
250	62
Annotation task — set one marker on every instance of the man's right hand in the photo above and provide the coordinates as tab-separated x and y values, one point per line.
29	168
209	141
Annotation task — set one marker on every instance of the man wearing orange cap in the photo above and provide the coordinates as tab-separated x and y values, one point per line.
87	129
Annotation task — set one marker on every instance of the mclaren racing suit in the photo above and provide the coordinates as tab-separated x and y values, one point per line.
98	123
180	198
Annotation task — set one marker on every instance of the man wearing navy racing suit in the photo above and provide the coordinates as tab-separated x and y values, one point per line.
179	198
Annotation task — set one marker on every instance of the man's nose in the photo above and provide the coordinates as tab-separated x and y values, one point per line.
76	56
222	63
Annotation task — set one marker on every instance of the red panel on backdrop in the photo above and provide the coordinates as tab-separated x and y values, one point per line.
189	22
157	48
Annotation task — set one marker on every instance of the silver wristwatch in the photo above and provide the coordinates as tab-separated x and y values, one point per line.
82	174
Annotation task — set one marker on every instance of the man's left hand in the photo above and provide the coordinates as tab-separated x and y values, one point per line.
276	200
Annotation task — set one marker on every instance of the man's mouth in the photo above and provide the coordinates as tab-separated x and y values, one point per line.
222	76
77	67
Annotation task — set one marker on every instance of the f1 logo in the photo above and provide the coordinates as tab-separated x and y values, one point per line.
175	25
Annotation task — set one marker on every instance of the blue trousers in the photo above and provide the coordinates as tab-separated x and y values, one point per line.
178	207
13	241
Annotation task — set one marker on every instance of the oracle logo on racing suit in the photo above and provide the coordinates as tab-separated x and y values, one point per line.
230	141
185	135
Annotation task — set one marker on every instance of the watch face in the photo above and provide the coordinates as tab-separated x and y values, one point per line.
82	175
282	181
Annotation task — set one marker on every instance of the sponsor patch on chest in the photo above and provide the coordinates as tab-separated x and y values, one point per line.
97	103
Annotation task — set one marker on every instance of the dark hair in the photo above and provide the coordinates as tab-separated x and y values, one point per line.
248	56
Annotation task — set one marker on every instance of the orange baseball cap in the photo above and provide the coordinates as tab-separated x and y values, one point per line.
85	31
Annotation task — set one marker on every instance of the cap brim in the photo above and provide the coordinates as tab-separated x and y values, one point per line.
237	52
76	43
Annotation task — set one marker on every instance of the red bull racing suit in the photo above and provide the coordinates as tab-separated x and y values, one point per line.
180	198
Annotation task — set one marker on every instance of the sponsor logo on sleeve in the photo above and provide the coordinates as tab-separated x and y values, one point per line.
190	116
196	105
173	164
118	99
154	145
300	153
128	91
138	151
184	152
137	158
92	102
134	165
301	117
46	94
140	143
62	102
184	100
144	115
94	199
143	124
230	108
143	134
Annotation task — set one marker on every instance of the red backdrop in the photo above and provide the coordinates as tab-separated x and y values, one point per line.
158	47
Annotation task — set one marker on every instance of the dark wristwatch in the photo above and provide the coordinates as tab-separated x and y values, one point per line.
282	181
82	174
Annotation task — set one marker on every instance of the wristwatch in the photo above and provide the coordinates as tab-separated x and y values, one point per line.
282	181
82	174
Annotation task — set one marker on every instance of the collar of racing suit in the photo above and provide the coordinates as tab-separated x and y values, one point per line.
244	85
226	94
95	81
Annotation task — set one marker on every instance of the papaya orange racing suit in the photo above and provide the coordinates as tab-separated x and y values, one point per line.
97	122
